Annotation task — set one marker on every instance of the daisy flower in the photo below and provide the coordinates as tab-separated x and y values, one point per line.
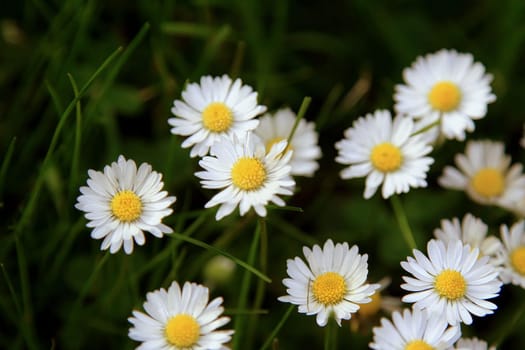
472	344
277	127
454	281
471	231
447	88
384	151
484	174
214	108
249	177
178	319
414	330
122	202
331	285
513	254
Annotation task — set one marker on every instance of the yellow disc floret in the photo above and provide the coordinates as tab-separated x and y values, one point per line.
248	173
445	96
329	288
418	345
386	157
517	259
183	331
217	117
126	206
488	182
450	284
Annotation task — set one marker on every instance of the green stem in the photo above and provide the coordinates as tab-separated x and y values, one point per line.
426	128
300	115
87	285
76	148
5	165
330	338
244	291
403	222
223	253
277	328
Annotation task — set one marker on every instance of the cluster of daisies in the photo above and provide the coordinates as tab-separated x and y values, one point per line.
251	157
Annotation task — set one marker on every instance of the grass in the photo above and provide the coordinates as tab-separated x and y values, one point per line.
84	81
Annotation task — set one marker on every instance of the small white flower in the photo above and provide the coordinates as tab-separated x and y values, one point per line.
277	127
385	152
447	88
249	177
122	202
331	285
180	320
414	330
484	174
471	231
454	281
513	254
472	344
214	108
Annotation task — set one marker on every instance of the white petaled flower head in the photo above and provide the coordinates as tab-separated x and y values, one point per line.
485	174
248	176
178	319
384	151
214	108
122	202
304	143
332	282
472	344
414	330
472	231
447	88
453	282
513	254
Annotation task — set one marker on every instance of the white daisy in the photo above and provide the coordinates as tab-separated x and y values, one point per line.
180	320
214	108
248	175
472	344
471	231
454	281
484	174
277	127
122	202
385	152
447	88
513	254
414	330
331	285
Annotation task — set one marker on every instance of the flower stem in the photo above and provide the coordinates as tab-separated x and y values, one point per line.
330	338
300	115
277	328
403	222
240	322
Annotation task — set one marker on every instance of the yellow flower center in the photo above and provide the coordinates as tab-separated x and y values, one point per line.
418	345
126	206
444	96
488	182
329	288
371	308
518	259
275	140
386	157
183	331
217	117
248	173
450	284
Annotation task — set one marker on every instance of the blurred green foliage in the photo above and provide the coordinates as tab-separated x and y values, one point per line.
346	55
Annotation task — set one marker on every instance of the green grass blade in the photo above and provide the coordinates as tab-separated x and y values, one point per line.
5	164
